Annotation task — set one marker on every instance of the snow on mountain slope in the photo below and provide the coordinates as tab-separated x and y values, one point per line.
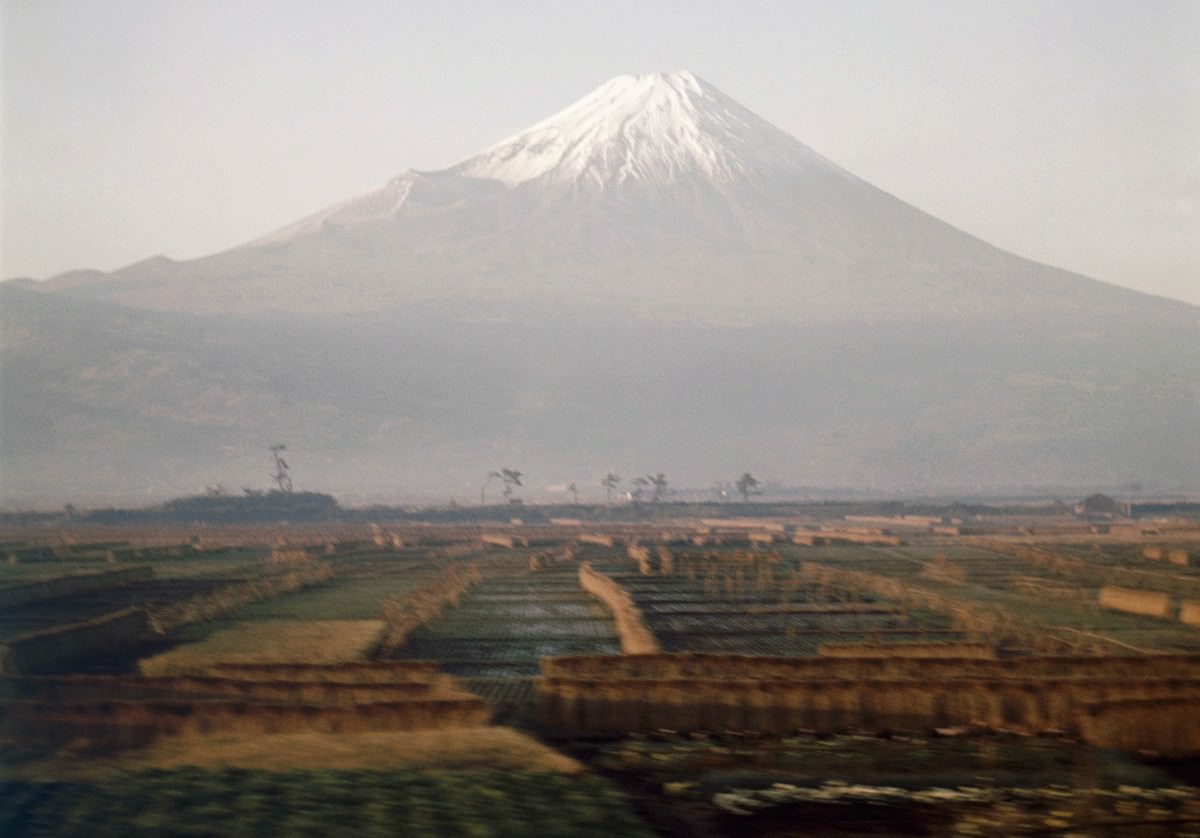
381	203
411	189
652	128
656	129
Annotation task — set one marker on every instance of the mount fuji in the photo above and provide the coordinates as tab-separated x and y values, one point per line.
653	278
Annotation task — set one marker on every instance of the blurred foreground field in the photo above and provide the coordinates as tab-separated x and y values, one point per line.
673	677
192	801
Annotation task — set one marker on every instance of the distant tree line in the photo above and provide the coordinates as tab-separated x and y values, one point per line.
228	509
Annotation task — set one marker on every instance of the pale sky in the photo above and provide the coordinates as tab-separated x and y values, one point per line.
1067	132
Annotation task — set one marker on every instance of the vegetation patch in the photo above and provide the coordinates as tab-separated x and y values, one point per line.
249	802
273	641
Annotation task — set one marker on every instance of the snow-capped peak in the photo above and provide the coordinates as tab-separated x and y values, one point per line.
656	129
652	128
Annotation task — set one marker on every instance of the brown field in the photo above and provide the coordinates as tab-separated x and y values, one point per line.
492	747
273	641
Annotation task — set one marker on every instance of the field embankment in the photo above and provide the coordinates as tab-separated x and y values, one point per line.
242	699
635	638
878	694
223	600
409	611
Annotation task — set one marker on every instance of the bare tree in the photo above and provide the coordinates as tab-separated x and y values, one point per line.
639	489
746	486
610	483
511	478
659	482
574	490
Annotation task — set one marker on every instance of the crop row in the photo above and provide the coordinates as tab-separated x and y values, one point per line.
800	646
516	629
578	608
502	691
550	584
818	609
784	645
779	623
512	699
511	620
231	802
461	650
791	616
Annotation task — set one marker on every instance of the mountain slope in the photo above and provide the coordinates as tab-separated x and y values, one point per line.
104	401
656	194
652	279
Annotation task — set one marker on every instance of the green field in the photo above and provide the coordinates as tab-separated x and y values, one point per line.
193	802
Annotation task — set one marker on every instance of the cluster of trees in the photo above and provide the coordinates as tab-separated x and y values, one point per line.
654	484
511	478
654	487
220	508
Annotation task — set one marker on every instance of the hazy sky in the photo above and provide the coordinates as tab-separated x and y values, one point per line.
1068	132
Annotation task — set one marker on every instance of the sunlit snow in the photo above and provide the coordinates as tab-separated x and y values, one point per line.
652	128
659	129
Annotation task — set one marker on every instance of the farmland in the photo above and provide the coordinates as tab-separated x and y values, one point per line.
193	802
496	638
709	677
732	601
